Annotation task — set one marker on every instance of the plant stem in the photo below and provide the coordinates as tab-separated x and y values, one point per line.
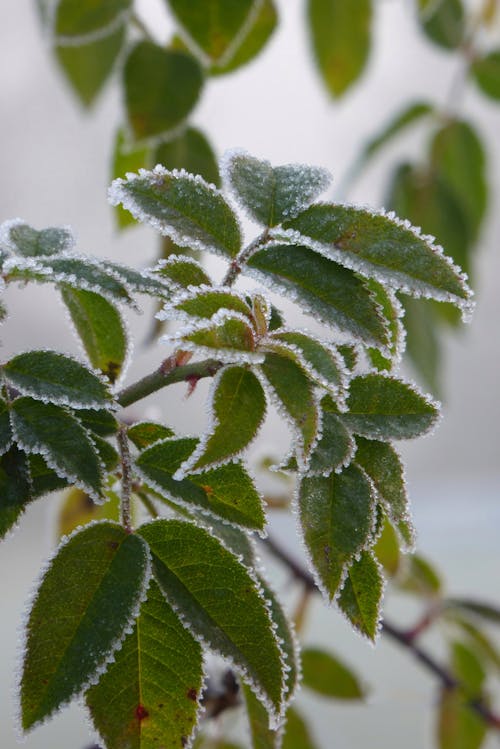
125	510
137	21
239	261
167	374
448	681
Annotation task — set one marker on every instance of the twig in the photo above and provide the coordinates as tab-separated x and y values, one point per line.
405	639
125	509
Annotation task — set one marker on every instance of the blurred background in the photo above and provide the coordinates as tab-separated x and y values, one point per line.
55	168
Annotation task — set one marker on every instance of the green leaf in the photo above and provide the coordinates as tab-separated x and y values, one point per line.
146	433
385	468
296	734
387	549
350	355
101	330
185	208
384	408
457	153
127	157
108	456
361	596
220	603
15	490
102	422
337	517
425	198
203	303
422	341
227	336
335	448
87	67
261	735
392	311
56	378
272	194
481	643
458	726
213	27
486	73
78	509
411	114
76	272
150	695
331	293
296	398
382	247
419	577
183	271
341	41
87	598
253	42
443	21
226	492
161	86
77	20
53	433
238	406
287	637
43	479
5	428
326	675
28	242
190	151
468	669
320	360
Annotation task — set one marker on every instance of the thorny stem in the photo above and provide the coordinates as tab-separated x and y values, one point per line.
126	463
167	374
239	261
405	639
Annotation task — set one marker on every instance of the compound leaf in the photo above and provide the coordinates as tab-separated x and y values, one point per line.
150	694
87	598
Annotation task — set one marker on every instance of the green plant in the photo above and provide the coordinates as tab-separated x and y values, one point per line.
128	634
125	608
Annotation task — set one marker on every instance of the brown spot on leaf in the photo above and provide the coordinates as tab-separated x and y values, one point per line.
192	694
207	489
141	713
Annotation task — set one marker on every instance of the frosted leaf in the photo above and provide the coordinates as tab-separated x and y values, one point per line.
228	336
360	599
379	245
182	271
237	409
22	239
140	282
181	206
272	194
393	312
337	515
203	302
